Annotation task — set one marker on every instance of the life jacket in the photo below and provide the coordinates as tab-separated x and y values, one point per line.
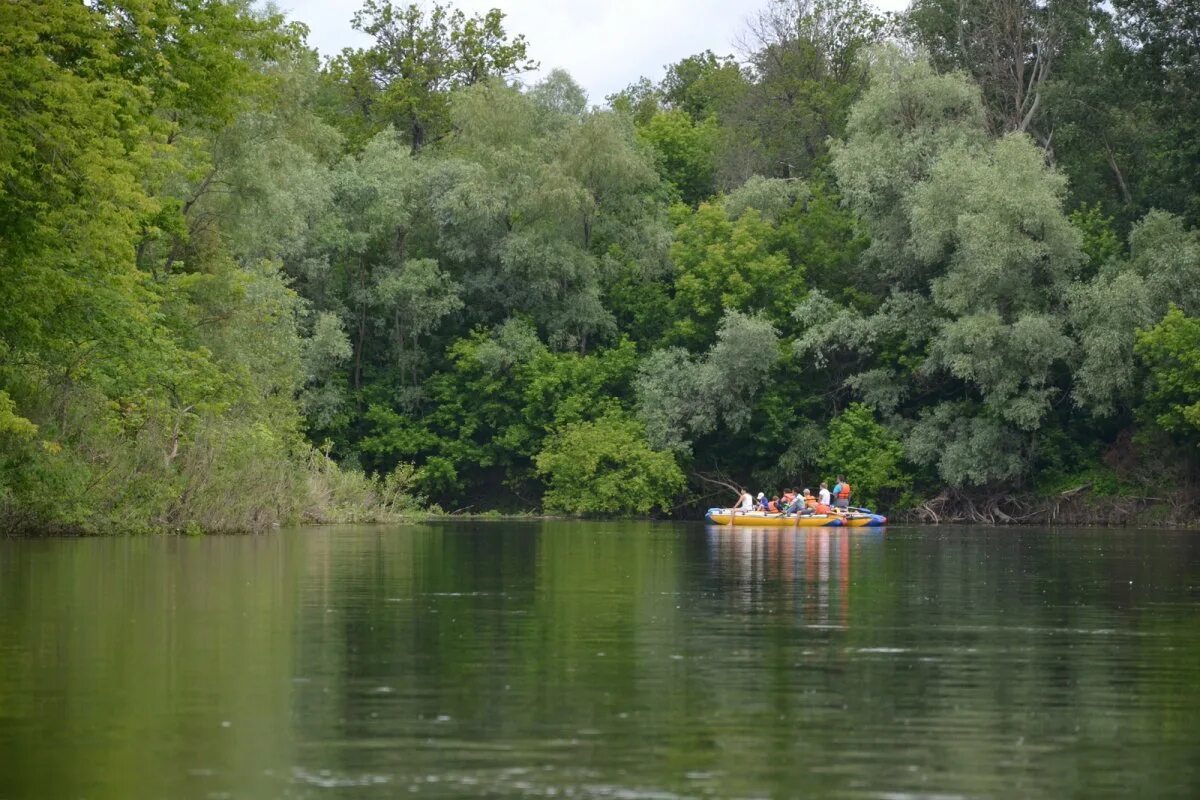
821	508
844	492
773	507
810	501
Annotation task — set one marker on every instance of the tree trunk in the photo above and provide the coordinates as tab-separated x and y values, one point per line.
1112	163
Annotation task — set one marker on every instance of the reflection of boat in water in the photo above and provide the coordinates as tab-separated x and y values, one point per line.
857	518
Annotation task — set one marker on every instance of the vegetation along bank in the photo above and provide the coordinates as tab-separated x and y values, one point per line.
950	253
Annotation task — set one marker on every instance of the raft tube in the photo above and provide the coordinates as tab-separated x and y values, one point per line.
859	518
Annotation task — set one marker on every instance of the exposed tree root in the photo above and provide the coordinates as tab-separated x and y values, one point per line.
1077	506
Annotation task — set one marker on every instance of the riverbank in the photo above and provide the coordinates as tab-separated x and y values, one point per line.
339	498
1078	506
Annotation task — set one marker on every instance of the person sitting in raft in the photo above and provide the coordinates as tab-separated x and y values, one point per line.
802	505
824	493
821	508
745	503
762	502
773	507
789	496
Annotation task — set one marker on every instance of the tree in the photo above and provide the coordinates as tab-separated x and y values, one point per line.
864	451
686	152
704	86
724	264
804	57
417	295
418	58
1010	47
326	353
639	101
163	160
681	397
1171	352
982	258
1129	295
907	118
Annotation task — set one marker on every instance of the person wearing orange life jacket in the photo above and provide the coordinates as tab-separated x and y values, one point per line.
841	494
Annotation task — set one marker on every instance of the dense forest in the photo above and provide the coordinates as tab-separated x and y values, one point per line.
951	253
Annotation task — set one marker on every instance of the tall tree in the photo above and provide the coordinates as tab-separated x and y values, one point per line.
1010	47
804	56
418	58
981	256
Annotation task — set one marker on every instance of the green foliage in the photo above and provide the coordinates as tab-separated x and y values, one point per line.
152	353
418	58
966	447
1129	295
808	74
703	86
491	413
1099	238
908	117
725	264
338	494
639	101
325	354
680	397
865	452
214	247
975	228
11	424
687	152
605	467
1171	351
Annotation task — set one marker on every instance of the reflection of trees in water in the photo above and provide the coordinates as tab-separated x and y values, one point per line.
145	666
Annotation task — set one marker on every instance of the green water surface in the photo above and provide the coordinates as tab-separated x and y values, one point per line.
602	660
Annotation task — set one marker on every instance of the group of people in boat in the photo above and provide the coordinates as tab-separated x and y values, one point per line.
792	501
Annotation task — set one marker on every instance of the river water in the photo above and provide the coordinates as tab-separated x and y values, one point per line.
602	660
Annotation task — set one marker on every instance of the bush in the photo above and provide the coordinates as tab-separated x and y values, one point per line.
606	467
349	495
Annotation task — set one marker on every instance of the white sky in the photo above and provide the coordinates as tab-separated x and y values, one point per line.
604	44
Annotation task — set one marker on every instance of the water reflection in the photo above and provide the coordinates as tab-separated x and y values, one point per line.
806	570
601	660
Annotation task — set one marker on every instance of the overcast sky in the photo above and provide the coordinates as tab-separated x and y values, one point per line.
604	44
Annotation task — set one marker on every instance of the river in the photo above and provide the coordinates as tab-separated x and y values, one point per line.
602	660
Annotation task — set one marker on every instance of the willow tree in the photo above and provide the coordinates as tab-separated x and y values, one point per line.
682	397
971	234
1131	293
